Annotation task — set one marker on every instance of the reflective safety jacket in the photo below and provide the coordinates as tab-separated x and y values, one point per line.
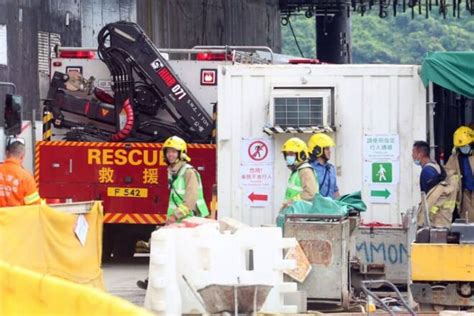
17	186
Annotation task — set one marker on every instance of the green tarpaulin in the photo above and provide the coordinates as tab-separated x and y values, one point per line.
451	70
324	205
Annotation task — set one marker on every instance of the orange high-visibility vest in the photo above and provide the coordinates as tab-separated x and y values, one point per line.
17	186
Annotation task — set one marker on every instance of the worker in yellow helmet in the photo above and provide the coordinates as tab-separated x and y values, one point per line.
303	183
319	146
186	194
461	162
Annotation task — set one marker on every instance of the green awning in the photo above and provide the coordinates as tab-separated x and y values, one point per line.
451	70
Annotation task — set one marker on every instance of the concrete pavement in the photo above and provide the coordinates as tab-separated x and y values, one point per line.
121	276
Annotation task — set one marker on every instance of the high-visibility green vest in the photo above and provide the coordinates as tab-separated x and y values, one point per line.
178	190
294	187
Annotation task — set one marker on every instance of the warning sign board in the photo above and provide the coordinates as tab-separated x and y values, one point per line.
256	151
257	176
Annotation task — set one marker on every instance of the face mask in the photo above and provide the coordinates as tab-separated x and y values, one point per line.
466	150
417	162
290	160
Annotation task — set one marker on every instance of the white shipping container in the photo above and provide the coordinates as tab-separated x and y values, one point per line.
365	99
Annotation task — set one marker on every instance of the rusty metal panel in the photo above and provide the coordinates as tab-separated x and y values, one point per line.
326	244
387	246
444	295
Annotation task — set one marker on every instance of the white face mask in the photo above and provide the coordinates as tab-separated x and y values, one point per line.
290	160
466	150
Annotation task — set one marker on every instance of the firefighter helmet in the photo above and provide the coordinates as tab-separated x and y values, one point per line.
462	136
297	146
178	144
318	142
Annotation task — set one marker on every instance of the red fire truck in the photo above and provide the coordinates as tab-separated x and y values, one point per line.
106	114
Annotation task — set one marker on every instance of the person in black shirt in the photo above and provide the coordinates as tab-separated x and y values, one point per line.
431	172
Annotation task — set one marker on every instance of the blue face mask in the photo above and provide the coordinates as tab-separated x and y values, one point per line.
290	160
417	162
466	150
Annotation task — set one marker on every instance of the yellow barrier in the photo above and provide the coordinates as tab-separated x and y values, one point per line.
25	292
42	239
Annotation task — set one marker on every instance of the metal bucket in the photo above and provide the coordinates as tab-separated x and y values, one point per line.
234	298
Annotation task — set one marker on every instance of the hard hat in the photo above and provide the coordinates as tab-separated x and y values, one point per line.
318	142
297	146
178	144
462	136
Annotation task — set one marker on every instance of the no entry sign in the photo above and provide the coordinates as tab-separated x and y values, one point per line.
256	151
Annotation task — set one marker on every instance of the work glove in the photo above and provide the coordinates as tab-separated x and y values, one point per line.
286	204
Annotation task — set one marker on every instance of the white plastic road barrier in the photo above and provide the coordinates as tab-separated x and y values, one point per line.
166	297
205	256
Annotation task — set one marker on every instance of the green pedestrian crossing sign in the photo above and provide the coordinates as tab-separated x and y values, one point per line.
382	172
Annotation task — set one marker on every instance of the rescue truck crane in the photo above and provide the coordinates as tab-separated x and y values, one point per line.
149	101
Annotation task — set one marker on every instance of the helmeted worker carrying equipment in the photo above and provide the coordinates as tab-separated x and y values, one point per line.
302	184
186	195
461	163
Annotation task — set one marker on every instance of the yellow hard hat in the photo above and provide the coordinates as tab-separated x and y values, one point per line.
178	144
297	146
462	136
318	142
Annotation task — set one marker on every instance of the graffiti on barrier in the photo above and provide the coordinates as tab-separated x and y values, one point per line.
376	252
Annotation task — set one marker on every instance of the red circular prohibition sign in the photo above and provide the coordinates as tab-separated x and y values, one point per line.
258	150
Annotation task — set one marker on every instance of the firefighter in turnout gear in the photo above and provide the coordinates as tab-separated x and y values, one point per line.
439	186
303	183
461	163
186	194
